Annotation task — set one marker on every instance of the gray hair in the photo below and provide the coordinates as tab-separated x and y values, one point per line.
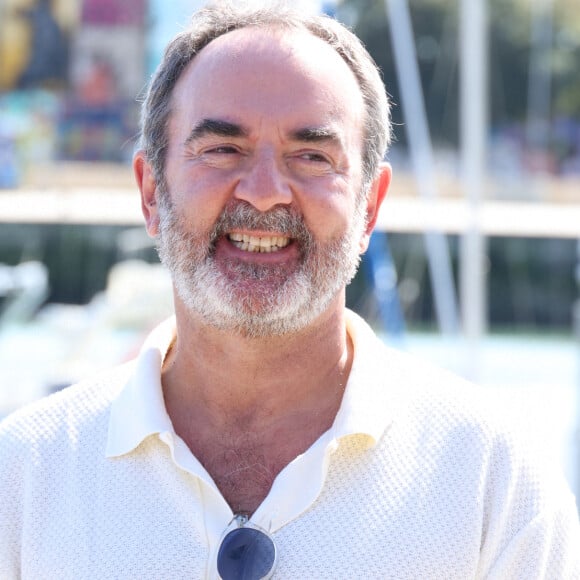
217	19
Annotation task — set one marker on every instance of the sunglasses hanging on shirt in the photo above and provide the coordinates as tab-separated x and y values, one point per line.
246	553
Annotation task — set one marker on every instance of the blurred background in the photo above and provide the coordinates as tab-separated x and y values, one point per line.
476	264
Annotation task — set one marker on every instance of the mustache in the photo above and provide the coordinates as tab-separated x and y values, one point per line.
236	215
279	219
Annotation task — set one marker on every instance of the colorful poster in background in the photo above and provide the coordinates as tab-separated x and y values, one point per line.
114	12
28	131
70	75
35	43
108	50
107	75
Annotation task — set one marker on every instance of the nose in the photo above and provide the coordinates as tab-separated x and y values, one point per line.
263	184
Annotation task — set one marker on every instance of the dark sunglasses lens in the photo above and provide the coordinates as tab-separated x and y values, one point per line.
246	554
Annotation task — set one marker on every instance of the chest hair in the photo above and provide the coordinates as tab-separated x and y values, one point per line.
244	466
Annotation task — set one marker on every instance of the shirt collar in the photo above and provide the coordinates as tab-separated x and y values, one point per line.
370	396
139	410
367	406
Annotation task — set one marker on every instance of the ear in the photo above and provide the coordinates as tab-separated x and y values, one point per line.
375	197
148	188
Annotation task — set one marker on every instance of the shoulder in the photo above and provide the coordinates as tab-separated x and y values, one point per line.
49	450
440	414
469	434
432	395
428	395
456	444
448	410
63	417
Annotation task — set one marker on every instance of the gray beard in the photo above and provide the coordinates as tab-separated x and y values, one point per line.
289	302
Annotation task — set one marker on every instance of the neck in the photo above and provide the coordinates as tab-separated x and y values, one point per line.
232	379
247	407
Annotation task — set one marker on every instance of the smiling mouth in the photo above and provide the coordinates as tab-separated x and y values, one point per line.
261	244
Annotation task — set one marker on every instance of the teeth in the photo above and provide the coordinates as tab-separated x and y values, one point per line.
264	244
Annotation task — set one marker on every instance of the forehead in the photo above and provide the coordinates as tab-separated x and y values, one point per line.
276	74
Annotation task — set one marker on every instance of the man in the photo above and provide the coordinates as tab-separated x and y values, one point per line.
266	430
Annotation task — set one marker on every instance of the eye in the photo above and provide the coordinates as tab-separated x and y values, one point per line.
311	163
222	150
313	157
220	156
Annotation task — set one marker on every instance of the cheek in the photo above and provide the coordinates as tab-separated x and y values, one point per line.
197	221
199	202
327	203
330	218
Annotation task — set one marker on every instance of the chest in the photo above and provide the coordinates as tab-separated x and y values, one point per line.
244	458
245	467
365	523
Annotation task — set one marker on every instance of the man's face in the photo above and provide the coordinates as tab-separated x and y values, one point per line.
262	220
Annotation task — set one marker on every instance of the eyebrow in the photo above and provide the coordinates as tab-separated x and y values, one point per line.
216	127
221	128
316	135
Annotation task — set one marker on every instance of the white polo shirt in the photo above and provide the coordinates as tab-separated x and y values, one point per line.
417	478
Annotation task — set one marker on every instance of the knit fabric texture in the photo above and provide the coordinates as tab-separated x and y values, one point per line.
420	478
